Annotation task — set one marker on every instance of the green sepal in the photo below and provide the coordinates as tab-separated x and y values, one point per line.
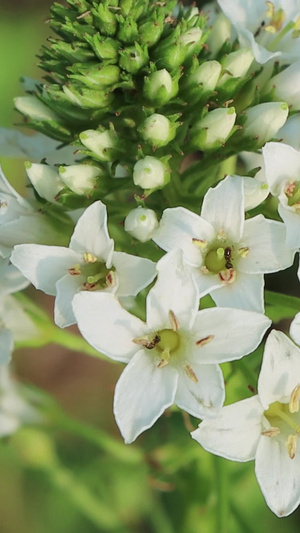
133	58
128	29
96	76
104	19
105	48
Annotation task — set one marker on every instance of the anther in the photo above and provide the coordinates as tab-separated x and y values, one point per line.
205	340
294	400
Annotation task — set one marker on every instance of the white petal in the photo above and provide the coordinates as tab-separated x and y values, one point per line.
108	327
134	273
11	279
255	191
278	475
177	228
235	433
280	370
142	394
204	398
282	162
6	345
295	329
234	333
174	291
292	224
267	248
246	292
15	318
66	288
43	265
223	207
90	234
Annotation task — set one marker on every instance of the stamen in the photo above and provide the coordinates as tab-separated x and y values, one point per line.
190	373
228	275
271	432
173	321
270	10
199	243
146	342
291	445
75	270
205	340
294	400
162	363
222	235
89	258
244	251
110	279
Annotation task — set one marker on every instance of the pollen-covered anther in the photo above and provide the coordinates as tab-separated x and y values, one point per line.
89	258
147	342
291	445
75	270
205	340
162	363
271	432
244	251
200	243
190	373
290	187
110	279
294	400
228	275
173	321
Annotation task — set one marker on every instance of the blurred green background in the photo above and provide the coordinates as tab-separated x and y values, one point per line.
60	481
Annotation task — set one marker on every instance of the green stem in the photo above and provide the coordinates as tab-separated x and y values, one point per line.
222	513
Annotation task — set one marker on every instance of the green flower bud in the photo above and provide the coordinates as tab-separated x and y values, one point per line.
141	223
158	130
97	75
33	108
45	180
102	144
104	19
81	179
72	52
263	121
200	82
151	29
220	33
133	58
151	173
213	130
105	48
128	30
160	87
88	98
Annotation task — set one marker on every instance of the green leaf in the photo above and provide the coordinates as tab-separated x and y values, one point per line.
280	306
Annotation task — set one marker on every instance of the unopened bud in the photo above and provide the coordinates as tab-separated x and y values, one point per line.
102	144
97	76
160	87
214	129
45	179
285	86
220	33
141	223
236	65
158	130
32	107
263	121
151	173
133	58
88	98
81	179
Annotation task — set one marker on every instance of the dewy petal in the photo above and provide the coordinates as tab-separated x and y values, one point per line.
43	265
108	327
268	251
247	292
90	234
282	162
235	433
295	329
234	332
66	288
134	273
142	394
174	291
205	397
177	229
280	370
223	207
278	475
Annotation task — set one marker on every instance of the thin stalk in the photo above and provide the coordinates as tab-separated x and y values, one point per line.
222	514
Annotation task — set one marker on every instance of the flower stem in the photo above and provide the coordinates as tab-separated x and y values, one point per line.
222	513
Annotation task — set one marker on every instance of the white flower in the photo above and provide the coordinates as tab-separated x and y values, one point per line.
295	325
282	167
290	132
227	253
21	221
89	264
265	427
270	28
141	223
285	86
174	356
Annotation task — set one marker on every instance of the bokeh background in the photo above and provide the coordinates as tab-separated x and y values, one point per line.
174	488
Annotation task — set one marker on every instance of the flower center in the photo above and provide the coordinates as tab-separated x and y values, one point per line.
169	341
95	272
292	191
284	417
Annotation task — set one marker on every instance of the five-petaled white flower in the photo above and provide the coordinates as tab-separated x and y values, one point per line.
265	427
270	28
174	356
228	254
89	264
282	170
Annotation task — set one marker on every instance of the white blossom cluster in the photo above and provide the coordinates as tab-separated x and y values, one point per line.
222	250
